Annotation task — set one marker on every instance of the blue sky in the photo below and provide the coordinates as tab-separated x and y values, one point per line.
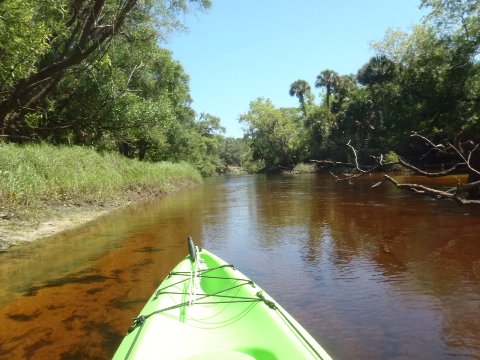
244	49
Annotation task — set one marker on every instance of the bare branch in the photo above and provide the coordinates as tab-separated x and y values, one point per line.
347	177
331	163
425	190
422	189
439	147
452	193
356	157
467	160
430	174
351	165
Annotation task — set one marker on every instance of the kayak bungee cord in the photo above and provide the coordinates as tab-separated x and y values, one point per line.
195	299
139	321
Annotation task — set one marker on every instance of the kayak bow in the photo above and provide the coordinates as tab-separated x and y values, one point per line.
207	309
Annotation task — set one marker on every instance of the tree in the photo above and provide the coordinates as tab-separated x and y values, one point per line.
234	151
274	135
302	90
209	125
455	16
439	77
138	96
346	85
134	98
67	36
318	131
355	120
458	25
210	133
425	82
379	70
74	37
328	79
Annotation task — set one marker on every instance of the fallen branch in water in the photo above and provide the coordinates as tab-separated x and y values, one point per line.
464	156
439	194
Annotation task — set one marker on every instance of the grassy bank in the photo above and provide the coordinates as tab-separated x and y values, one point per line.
35	175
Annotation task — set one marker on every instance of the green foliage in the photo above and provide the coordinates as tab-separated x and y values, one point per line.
318	128
302	90
330	80
234	151
390	157
138	96
274	135
379	70
426	81
93	74
303	168
37	173
252	166
42	42
453	16
437	89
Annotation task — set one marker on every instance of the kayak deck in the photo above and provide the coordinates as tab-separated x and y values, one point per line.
209	310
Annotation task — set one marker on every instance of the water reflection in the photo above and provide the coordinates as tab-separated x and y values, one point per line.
372	274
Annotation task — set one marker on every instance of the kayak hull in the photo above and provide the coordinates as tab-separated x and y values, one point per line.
207	309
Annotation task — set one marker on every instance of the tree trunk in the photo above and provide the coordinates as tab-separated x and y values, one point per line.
125	149
142	149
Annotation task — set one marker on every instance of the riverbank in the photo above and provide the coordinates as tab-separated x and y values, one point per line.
53	219
46	189
17	230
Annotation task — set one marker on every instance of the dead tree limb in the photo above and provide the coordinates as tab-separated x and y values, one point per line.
418	171
456	193
332	163
378	164
438	147
356	157
425	190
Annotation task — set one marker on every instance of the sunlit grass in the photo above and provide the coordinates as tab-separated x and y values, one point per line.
34	174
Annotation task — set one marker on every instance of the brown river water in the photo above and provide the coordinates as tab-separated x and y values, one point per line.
372	274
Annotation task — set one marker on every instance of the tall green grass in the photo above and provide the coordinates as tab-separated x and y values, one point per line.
34	174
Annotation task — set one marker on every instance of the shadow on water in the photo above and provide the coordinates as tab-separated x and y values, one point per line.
372	274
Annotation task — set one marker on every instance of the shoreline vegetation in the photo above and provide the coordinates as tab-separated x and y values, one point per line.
414	102
48	189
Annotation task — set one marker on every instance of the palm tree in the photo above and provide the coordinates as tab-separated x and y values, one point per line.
302	90
328	79
378	70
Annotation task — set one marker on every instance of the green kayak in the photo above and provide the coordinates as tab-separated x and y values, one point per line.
206	309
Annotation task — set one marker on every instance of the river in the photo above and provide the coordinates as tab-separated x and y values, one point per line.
372	274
